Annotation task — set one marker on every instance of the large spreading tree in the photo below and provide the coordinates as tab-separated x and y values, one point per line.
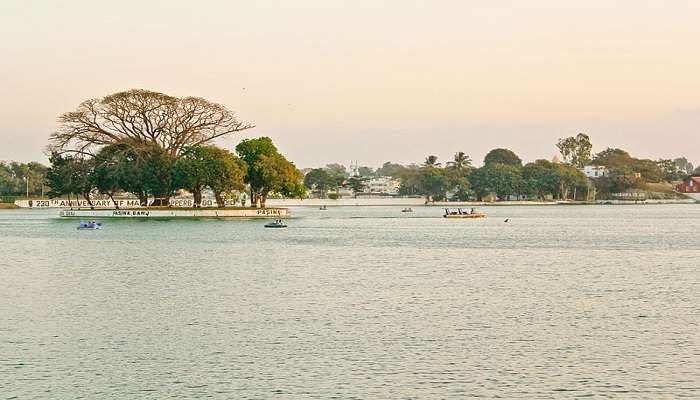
141	128
143	118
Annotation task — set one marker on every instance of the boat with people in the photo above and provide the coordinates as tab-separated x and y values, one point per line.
407	210
276	224
455	213
91	225
323	208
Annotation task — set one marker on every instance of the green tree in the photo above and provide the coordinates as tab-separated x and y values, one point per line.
109	175
70	175
625	165
203	166
540	179
225	172
684	165
357	184
613	158
158	177
502	156
670	171
650	170
458	183
431	161
461	162
191	172
619	180
499	178
457	173
390	169
576	150
365	171
432	183
132	168
320	180
18	178
410	185
269	171
338	171
569	180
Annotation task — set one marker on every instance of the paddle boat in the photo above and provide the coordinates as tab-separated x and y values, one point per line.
92	225
459	213
323	208
276	224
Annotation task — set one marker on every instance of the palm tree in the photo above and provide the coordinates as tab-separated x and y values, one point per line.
461	161
431	161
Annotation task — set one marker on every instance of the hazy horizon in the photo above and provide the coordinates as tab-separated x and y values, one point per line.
370	82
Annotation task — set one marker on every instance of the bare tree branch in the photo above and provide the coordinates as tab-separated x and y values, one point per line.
143	118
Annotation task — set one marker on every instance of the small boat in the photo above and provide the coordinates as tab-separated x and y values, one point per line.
409	209
91	226
323	208
459	213
276	224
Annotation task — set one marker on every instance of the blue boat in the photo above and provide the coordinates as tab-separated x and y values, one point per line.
90	226
276	224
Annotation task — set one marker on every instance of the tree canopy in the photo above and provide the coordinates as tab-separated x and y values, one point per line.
269	171
203	166
576	150
390	169
16	178
500	178
320	180
143	118
502	156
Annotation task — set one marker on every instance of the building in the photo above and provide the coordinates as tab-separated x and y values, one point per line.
690	185
595	171
385	185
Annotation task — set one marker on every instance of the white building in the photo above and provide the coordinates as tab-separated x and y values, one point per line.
383	185
595	171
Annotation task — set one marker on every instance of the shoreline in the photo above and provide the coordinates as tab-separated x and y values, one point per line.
420	203
350	202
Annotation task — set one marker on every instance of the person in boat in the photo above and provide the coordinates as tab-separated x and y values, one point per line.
472	211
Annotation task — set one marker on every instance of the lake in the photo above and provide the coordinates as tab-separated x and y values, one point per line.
354	303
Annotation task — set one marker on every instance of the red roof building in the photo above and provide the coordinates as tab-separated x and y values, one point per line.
690	185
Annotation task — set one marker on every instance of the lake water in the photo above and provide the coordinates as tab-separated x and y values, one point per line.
354	303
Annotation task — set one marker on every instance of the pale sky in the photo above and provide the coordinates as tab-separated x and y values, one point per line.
371	80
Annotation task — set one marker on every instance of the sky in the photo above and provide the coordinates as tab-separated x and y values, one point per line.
370	81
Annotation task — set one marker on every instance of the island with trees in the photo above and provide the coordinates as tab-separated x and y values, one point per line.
152	146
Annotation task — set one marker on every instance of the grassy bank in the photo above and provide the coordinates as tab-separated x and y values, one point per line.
7	206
